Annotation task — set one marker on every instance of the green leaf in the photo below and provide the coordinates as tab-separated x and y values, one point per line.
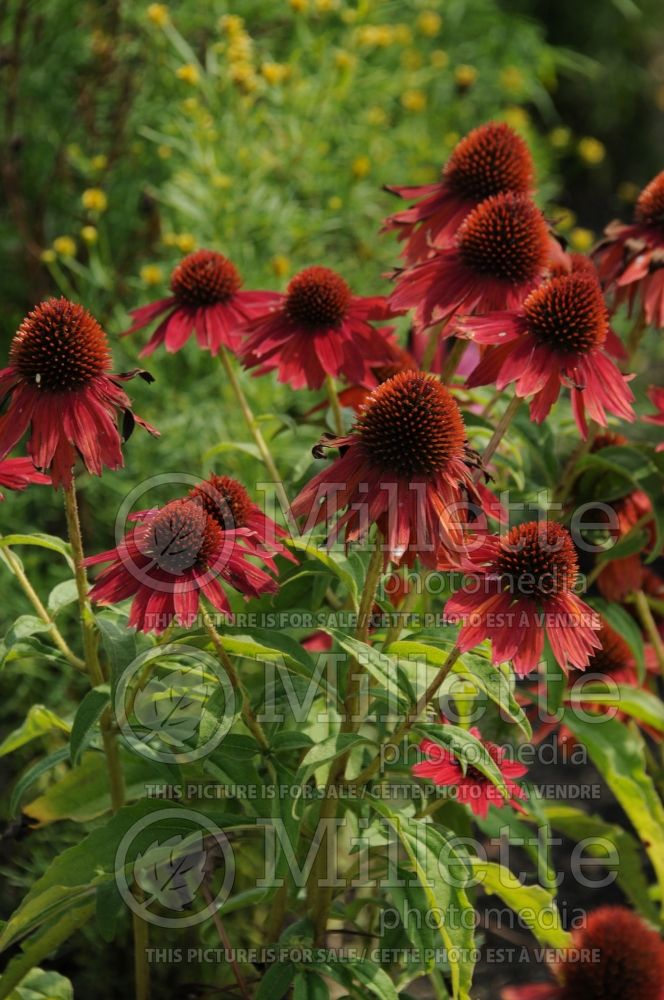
466	748
39	721
618	753
120	644
489	679
276	982
24	628
244	447
578	826
42	985
40	947
61	596
532	903
34	772
375	979
336	563
622	622
640	704
383	668
86	717
309	986
425	846
41	540
328	750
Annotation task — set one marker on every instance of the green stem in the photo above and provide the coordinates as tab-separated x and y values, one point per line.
256	432
88	629
335	405
409	602
141	967
570	472
432	346
499	433
15	566
650	626
453	359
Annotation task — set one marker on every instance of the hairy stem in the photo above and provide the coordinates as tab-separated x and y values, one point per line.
335	405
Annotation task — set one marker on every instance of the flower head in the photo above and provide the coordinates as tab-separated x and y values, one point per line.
490	160
472	787
500	254
521	587
206	298
630	259
556	338
59	385
405	467
18	473
615	954
318	328
171	558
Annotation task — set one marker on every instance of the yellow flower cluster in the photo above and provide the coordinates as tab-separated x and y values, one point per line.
429	23
65	246
189	73
94	200
465	76
158	14
591	151
240	55
414	100
185	242
380	36
151	274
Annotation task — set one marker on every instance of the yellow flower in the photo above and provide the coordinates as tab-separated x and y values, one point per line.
299	6
325	6
402	34
99	162
465	76
429	23
47	256
411	59
231	25
511	79
170	240
221	181
628	191
89	234
280	265
244	75
186	242
560	136
274	73
65	246
361	166
375	35
190	106
440	59
240	49
188	74
376	115
581	239
591	151
94	200
344	60
563	218
164	152
516	117
414	100
151	274
335	203
158	14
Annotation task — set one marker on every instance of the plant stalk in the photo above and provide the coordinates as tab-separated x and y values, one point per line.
335	405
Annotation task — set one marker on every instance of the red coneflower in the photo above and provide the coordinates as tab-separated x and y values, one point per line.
615	954
521	587
172	557
404	465
630	260
227	501
578	263
500	253
206	299
318	328
555	339
472	788
60	386
490	160
656	397
17	473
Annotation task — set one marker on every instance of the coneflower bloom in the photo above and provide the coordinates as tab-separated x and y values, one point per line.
404	466
555	339
171	558
59	385
578	263
500	254
522	588
615	954
206	299
18	473
490	160
227	501
319	328
656	397
622	576
471	788
630	260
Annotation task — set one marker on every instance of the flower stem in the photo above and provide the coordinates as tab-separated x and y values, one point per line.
256	432
335	405
570	472
141	967
14	564
88	629
499	432
650	626
431	346
453	359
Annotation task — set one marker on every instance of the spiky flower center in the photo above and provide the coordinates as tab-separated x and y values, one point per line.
650	203
225	500
411	426
205	277
317	298
568	314
505	237
489	160
537	560
613	655
180	537
59	347
607	439
618	957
